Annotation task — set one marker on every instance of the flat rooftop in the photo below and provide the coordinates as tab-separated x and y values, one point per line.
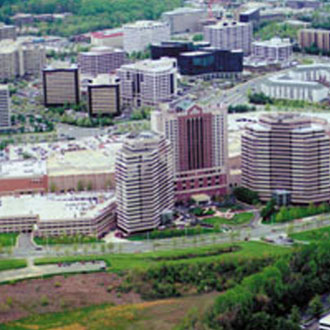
83	161
63	207
163	64
22	169
144	24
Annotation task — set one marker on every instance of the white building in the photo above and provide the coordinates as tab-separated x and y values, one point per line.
4	107
144	182
185	20
324	323
108	38
286	87
230	35
148	82
312	72
275	50
139	35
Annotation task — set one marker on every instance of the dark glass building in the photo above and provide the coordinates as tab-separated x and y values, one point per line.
175	48
210	61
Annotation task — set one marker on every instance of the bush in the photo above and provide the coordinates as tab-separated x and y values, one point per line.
44	301
246	195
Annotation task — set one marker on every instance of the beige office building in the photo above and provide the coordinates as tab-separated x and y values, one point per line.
287	152
7	32
61	86
144	182
319	38
103	96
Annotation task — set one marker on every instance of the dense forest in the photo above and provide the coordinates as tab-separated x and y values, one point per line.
88	15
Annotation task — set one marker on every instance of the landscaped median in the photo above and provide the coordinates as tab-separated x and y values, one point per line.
8	264
312	235
238	219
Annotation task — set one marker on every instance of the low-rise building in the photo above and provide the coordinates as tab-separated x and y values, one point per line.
103	95
275	50
53	215
148	82
108	38
101	60
23	177
7	32
185	20
299	4
139	35
314	37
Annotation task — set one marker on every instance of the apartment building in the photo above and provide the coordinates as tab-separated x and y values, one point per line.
198	135
148	82
101	60
7	32
144	182
60	86
274	50
230	35
185	19
286	152
4	107
314	37
17	60
139	35
103	95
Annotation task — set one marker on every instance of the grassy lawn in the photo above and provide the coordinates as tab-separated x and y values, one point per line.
123	262
8	239
239	219
160	314
66	240
7	264
313	235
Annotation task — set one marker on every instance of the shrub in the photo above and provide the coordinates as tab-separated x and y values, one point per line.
44	301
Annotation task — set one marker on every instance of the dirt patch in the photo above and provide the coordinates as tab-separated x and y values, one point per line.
61	293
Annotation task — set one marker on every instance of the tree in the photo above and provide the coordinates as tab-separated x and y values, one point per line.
198	37
89	186
316	306
295	315
80	185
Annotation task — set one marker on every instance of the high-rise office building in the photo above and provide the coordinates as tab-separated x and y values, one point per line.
103	96
101	60
148	82
198	135
4	107
286	152
230	35
61	86
139	35
144	181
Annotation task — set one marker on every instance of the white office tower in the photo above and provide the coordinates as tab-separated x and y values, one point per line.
139	35
230	35
144	181
4	107
148	82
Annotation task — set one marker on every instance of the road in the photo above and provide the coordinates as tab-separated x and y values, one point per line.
254	231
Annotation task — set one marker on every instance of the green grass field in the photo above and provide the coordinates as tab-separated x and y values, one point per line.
239	219
8	264
8	239
122	262
313	235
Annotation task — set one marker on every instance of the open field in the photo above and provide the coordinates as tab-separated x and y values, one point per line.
313	235
160	314
122	262
238	219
